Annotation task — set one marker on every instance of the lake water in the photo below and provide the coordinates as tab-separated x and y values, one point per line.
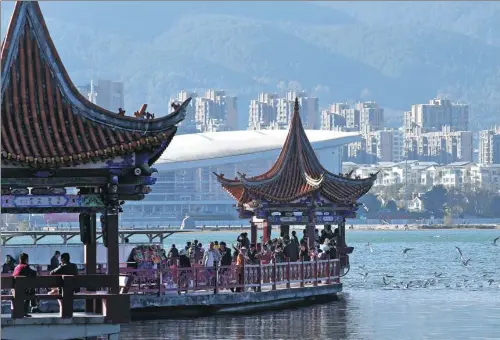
456	303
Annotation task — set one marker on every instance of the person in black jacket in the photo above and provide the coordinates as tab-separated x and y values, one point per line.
291	250
184	262
173	255
54	261
65	268
226	259
9	265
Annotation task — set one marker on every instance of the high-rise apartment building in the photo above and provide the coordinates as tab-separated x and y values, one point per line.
262	112
216	111
443	147
364	117
371	116
269	111
433	116
489	146
385	145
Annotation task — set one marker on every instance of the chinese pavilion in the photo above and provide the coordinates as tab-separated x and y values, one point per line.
53	139
297	190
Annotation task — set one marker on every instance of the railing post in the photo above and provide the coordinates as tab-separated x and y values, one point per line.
288	273
179	271
68	290
159	277
259	275
315	271
302	273
18	299
216	278
243	276
195	278
275	272
328	271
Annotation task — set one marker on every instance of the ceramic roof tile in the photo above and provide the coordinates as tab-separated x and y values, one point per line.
46	122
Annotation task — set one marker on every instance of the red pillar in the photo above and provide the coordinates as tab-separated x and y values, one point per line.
267	231
253	232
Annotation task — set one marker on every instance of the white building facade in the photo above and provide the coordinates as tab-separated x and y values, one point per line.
186	184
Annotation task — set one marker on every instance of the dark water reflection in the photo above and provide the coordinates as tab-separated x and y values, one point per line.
359	315
301	323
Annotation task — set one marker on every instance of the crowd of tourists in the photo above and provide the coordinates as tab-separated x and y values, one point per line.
278	250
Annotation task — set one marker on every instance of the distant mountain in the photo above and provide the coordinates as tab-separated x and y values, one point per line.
397	53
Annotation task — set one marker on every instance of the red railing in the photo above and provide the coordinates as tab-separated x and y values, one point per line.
236	278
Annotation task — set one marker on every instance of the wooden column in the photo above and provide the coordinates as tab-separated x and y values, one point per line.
267	231
310	235
113	251
253	232
342	233
90	253
285	230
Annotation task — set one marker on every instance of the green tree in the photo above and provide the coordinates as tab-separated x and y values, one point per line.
435	201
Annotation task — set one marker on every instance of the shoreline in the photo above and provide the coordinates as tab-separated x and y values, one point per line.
373	227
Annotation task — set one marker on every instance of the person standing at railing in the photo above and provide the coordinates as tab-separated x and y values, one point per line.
54	261
253	255
241	260
225	261
9	265
184	262
210	259
304	254
243	240
278	255
291	250
173	255
23	269
294	238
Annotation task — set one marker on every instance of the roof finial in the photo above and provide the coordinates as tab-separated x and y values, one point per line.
296	106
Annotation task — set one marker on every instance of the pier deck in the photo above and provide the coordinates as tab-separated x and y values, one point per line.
50	326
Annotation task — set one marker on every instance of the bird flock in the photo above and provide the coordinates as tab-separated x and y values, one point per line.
435	279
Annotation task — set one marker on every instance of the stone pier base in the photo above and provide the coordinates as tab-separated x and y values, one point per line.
49	326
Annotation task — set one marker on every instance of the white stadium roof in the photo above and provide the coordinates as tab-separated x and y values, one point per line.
212	148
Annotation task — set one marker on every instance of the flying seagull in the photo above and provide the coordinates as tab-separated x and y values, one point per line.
496	240
364	275
466	262
460	253
490	281
406	250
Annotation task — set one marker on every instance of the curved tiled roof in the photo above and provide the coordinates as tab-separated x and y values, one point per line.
296	173
46	122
